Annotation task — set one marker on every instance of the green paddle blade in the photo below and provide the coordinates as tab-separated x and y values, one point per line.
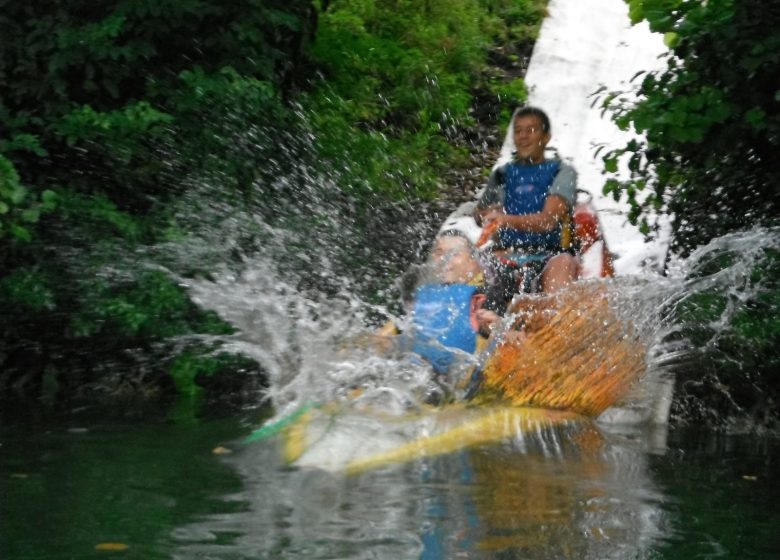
275	427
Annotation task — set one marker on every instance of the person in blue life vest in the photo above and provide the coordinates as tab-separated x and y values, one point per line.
452	301
458	300
527	204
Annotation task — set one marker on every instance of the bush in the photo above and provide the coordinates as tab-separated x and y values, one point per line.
127	125
711	121
105	108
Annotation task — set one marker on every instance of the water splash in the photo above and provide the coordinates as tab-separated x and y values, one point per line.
310	324
306	274
724	311
300	274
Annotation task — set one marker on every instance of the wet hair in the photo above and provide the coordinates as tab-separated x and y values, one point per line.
529	111
453	233
459	234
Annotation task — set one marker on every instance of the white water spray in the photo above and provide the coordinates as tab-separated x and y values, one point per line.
296	337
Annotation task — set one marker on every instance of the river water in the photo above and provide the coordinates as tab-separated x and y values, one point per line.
148	484
159	490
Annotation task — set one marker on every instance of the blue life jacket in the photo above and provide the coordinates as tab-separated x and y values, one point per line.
441	323
525	191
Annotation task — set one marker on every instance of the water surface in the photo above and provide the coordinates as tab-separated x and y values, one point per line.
584	491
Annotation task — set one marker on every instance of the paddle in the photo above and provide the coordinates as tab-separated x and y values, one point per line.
273	428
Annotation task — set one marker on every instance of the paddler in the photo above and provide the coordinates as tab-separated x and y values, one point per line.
452	302
526	206
456	300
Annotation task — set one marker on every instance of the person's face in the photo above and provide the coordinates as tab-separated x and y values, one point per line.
453	260
530	139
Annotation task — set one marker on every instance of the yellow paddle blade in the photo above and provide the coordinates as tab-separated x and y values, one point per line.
579	356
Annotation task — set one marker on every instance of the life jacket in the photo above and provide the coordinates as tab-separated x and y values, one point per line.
441	323
525	191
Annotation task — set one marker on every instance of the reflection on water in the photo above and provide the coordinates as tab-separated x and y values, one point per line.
577	493
160	490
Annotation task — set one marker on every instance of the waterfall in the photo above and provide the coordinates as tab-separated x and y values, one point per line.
582	47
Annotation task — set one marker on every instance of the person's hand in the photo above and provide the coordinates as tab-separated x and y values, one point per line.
489	232
493	220
495	215
486	320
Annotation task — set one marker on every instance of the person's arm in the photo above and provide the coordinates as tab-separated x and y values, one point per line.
483	216
555	210
557	206
492	197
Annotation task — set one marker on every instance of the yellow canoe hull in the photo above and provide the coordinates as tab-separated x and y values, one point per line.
355	441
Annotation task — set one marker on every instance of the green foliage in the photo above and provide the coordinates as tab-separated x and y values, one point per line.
711	120
125	80
98	215
398	85
105	108
150	307
119	134
123	123
203	376
192	370
513	20
26	290
184	369
513	93
18	211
